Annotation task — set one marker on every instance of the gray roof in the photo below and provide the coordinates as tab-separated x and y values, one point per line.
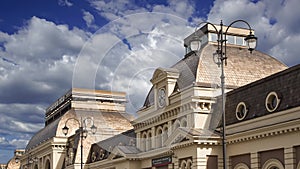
286	85
43	135
129	149
126	138
119	121
242	68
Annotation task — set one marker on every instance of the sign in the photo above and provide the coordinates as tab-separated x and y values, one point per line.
161	161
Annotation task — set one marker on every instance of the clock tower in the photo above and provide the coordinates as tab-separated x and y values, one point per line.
164	82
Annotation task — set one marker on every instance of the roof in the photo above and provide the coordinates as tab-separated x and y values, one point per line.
110	121
43	135
286	85
123	142
242	68
123	139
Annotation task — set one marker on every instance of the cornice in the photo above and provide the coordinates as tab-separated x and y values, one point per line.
264	132
201	106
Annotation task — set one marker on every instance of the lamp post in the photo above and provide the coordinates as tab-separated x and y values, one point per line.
82	131
195	45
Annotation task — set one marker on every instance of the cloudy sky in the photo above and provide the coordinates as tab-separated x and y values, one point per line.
48	47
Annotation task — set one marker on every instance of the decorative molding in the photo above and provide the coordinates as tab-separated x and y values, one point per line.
241	166
198	107
272	163
263	135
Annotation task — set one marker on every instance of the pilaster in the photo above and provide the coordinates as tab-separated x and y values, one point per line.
289	157
254	160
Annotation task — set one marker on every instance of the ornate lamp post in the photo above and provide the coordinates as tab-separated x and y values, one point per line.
83	133
195	45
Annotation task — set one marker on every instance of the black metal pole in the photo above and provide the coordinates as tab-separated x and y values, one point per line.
81	147
222	77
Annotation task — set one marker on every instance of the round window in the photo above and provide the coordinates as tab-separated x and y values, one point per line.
241	111
272	102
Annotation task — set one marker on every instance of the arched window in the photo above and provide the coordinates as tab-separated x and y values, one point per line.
159	137
47	164
241	166
273	164
176	124
143	141
183	122
149	141
165	134
183	164
36	167
189	164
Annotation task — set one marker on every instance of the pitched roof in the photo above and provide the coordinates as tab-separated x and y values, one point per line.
285	84
242	68
118	121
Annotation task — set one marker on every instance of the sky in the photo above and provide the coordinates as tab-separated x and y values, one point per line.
50	46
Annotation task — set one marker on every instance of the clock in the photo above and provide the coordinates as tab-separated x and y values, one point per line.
161	97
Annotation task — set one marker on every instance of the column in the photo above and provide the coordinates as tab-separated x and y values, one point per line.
170	128
138	141
153	137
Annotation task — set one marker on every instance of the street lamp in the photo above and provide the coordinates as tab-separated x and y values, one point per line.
83	133
195	45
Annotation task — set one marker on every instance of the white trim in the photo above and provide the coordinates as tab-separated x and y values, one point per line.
272	163
239	107
241	166
269	99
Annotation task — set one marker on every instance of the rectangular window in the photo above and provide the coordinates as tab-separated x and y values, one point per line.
230	39
213	37
240	40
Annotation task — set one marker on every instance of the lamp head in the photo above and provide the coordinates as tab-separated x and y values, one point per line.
17	159
65	130
195	43
94	129
251	41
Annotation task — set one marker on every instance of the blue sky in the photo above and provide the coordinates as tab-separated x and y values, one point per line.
49	46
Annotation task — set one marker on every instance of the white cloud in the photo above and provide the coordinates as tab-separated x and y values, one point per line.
65	3
114	9
89	19
133	48
36	67
276	24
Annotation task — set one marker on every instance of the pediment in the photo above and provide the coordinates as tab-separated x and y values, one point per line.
179	135
163	73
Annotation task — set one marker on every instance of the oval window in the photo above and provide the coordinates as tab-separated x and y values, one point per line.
272	102
241	111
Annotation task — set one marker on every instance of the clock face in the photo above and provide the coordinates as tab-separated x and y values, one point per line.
161	97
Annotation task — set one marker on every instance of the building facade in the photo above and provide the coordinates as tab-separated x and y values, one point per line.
15	161
178	126
50	148
179	123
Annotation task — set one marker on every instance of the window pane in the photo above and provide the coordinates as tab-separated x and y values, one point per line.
230	39
213	37
239	40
